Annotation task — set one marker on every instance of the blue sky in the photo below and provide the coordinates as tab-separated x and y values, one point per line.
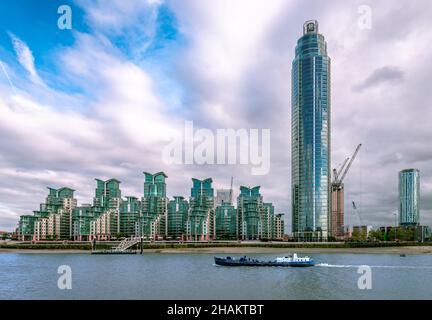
102	100
36	23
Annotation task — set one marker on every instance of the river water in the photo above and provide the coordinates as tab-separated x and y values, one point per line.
194	276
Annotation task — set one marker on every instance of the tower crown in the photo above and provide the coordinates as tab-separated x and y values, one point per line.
310	26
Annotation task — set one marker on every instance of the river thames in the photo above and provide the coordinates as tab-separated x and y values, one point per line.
195	276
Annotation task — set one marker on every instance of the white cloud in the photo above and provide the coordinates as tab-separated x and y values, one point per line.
235	73
25	58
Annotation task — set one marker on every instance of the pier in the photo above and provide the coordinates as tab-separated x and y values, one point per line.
124	247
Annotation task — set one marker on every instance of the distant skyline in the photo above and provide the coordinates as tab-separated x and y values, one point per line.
103	99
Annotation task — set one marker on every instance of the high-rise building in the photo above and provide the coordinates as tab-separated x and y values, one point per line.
279	227
225	222
337	220
26	226
409	197
129	213
152	223
310	125
177	217
249	208
111	217
55	215
267	222
200	222
107	195
81	218
106	210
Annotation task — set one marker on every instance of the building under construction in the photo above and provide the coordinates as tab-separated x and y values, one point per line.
337	197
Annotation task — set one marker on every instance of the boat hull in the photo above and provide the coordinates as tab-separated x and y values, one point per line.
256	263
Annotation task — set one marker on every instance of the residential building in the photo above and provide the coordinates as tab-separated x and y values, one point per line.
279	226
81	219
310	138
200	223
177	218
55	216
105	224
26	227
409	197
152	222
225	222
249	209
128	216
267	222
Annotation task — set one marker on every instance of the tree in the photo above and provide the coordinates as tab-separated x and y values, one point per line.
377	235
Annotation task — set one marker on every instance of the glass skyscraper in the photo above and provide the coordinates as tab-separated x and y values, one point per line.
310	125
409	197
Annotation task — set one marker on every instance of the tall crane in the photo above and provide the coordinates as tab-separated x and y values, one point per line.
354	206
336	173
337	188
350	163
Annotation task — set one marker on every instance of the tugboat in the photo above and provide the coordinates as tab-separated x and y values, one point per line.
289	261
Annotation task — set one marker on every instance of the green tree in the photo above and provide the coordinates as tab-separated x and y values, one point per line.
377	235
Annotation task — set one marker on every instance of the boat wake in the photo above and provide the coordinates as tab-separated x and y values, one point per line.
336	265
357	266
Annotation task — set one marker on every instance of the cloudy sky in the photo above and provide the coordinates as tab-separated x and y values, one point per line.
103	99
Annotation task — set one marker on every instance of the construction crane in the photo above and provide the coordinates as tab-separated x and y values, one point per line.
355	210
337	173
337	188
340	175
350	163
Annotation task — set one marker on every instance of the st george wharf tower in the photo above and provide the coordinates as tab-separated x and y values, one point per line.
310	135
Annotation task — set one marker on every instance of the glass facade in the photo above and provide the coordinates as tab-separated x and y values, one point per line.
128	216
225	222
177	217
249	207
26	227
81	218
409	197
310	125
267	221
201	213
111	217
107	195
152	223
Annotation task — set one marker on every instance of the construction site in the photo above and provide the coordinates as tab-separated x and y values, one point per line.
337	219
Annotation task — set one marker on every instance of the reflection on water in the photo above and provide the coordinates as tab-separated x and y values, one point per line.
194	276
